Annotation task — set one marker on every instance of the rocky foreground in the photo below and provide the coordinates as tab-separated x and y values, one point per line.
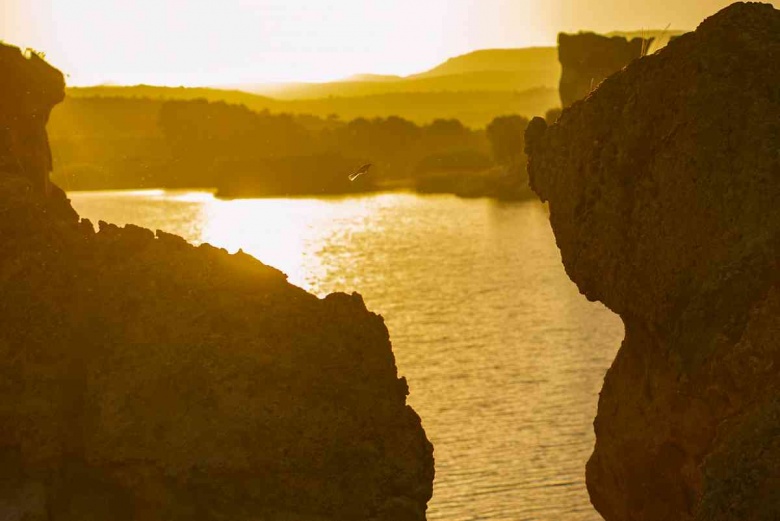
143	378
663	189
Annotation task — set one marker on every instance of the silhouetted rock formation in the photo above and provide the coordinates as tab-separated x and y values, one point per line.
587	58
663	189
143	378
29	89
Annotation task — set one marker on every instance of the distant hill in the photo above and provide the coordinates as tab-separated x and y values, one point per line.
237	97
474	81
474	88
373	77
474	108
485	70
528	60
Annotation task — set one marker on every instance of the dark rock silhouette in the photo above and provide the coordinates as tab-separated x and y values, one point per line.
29	89
663	189
146	379
587	58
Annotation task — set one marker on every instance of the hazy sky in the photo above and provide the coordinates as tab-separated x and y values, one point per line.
207	42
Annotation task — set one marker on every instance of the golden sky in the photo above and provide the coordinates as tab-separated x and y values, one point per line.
211	42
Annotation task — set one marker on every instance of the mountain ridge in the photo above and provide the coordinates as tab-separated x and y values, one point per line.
484	69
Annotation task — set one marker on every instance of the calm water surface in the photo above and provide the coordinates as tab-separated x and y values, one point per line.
503	356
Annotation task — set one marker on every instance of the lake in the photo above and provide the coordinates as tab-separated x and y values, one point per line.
503	356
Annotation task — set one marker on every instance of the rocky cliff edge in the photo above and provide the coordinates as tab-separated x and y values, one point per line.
663	188
147	379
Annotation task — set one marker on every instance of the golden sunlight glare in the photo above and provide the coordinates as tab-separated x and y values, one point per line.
199	42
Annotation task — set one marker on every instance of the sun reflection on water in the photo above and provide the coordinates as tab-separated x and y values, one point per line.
293	235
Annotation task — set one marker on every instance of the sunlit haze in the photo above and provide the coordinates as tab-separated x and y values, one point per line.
203	42
390	260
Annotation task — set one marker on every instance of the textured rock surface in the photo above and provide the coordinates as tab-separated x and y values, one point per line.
29	89
587	58
663	189
143	378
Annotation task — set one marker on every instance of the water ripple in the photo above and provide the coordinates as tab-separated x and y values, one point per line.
504	357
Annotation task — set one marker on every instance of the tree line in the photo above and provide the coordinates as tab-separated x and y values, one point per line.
107	143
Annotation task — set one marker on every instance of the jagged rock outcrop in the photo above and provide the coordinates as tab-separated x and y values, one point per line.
146	379
29	89
587	58
663	189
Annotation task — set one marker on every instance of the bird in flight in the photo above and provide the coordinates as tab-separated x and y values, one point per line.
360	171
